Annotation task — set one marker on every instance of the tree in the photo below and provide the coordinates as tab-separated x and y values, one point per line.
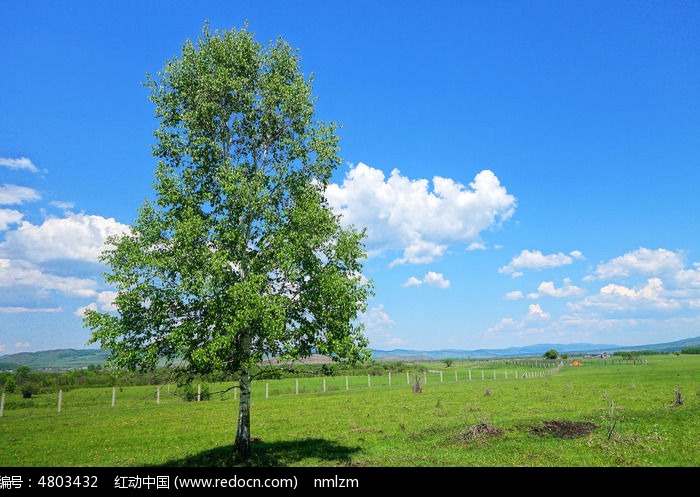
10	385
239	258
551	354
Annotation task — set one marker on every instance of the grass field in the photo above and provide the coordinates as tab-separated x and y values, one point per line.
508	414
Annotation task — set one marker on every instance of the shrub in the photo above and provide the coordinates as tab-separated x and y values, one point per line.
417	387
10	385
551	354
28	389
190	394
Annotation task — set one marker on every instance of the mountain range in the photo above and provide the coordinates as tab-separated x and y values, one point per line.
65	359
530	350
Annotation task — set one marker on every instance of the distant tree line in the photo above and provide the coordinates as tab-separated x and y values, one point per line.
28	382
630	355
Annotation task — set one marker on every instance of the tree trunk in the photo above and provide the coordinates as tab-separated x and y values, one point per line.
241	446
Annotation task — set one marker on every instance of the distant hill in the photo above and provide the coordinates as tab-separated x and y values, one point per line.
65	359
529	351
59	359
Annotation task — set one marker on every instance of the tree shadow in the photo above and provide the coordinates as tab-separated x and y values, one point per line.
263	454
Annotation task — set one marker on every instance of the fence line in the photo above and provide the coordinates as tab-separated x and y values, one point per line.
514	375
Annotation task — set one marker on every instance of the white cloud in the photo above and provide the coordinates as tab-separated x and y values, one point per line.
510	332
668	284
15	194
431	278
413	281
436	280
689	278
8	217
105	303
76	237
611	297
376	319
523	327
514	295
80	311
503	324
24	310
547	289
405	215
378	326
393	341
62	205
420	252
640	262
662	307
536	312
105	300
16	273
21	163
535	260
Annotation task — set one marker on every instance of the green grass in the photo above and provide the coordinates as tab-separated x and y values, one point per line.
509	421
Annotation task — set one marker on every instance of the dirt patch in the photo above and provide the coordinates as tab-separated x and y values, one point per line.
480	433
360	429
564	428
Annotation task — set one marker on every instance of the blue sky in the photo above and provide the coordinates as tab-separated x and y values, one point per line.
527	170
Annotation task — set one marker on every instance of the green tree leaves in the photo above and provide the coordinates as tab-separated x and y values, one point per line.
239	257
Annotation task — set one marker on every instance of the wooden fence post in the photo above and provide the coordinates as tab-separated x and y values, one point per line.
324	385
347	386
297	386
158	395
2	404
369	383
60	399
266	389
114	395
199	391
389	378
